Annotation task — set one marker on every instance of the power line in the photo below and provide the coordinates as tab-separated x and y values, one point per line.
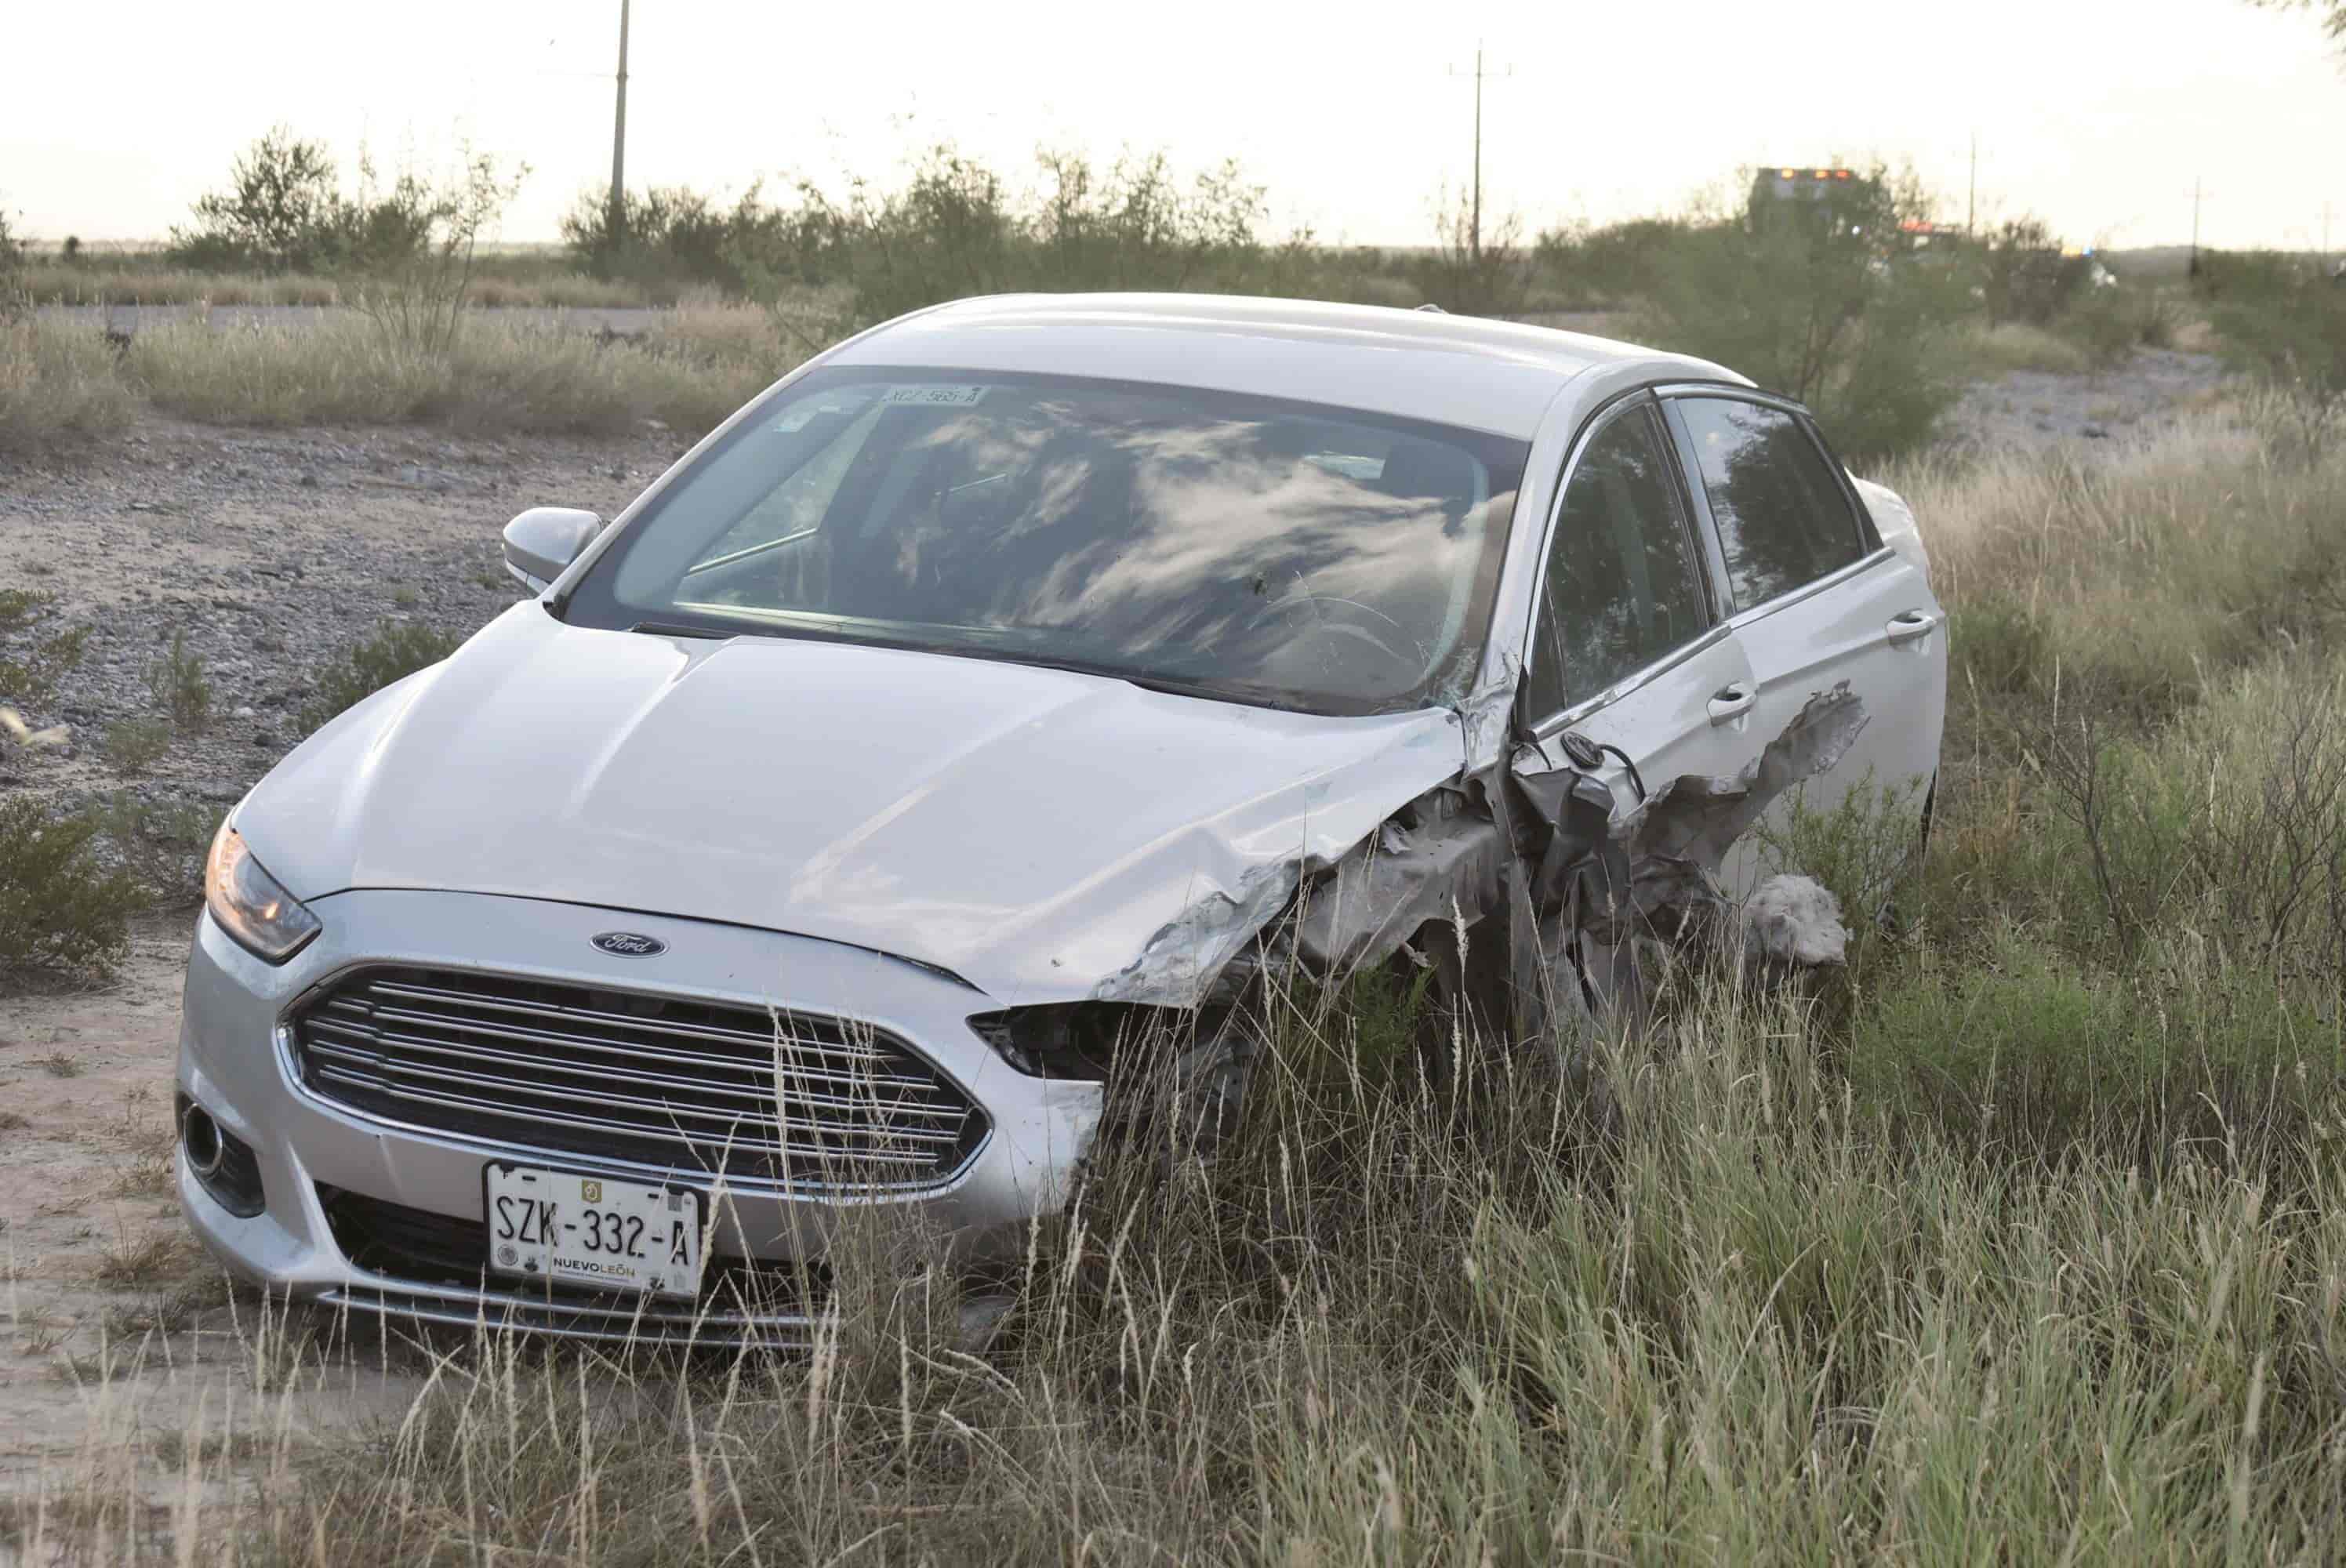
1474	223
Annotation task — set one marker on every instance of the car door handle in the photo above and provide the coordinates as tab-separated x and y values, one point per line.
1912	623
1730	702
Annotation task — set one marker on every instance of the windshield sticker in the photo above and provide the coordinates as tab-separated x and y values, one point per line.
806	413
932	396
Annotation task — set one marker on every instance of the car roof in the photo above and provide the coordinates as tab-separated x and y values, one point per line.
1488	375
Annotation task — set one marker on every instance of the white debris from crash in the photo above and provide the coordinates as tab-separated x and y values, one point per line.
1792	920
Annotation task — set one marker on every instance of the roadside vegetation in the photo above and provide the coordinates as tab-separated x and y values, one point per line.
1875	319
2022	1238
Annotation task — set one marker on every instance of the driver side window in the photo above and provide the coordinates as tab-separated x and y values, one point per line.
1622	588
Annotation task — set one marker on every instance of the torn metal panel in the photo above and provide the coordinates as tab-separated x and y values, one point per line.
1574	887
1698	818
1441	859
1179	965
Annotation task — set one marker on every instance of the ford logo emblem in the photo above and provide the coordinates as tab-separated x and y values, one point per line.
630	944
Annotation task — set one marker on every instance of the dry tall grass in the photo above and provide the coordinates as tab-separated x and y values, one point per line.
60	381
50	281
58	387
496	378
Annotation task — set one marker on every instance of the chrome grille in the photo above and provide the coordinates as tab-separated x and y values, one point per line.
680	1084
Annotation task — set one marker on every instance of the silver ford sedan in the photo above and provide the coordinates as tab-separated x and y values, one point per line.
1011	676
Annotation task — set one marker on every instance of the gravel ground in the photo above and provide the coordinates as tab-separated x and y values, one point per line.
2032	410
271	552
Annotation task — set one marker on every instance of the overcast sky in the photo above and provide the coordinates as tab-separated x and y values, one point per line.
2097	116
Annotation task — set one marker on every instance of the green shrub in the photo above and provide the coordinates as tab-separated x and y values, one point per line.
395	651
2107	325
2022	276
2290	335
136	745
1999	646
31	673
61	908
2036	1055
284	211
1815	299
2252	279
12	267
1606	265
176	682
161	847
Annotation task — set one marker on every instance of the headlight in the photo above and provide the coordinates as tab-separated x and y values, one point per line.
1080	1039
249	905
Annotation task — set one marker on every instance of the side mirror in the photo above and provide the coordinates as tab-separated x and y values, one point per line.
544	540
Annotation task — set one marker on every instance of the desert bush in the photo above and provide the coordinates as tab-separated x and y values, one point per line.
136	745
1607	264
397	649
12	267
60	386
1477	267
2022	276
2105	326
284	211
1816	300
2251	278
161	847
414	260
2111	323
671	234
177	685
61	908
34	656
2290	335
2229	822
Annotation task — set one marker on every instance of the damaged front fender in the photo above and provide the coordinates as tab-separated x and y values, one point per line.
1545	848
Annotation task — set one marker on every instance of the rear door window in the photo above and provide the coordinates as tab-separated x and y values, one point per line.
1622	588
1783	519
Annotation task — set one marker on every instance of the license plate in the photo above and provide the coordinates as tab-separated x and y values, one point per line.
593	1231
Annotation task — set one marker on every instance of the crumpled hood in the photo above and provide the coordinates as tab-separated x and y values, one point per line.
1035	831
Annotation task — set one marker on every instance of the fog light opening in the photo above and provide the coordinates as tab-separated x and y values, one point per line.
200	1137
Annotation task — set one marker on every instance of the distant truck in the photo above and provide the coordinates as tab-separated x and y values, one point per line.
1830	200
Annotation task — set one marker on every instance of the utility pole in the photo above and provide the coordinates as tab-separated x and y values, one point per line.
1474	223
618	220
2195	197
2325	236
1970	201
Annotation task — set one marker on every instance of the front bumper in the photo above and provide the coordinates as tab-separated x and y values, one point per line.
235	1060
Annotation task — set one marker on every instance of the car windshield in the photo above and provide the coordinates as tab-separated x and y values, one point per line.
1286	554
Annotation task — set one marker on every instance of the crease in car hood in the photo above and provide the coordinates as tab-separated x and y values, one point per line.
1034	830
